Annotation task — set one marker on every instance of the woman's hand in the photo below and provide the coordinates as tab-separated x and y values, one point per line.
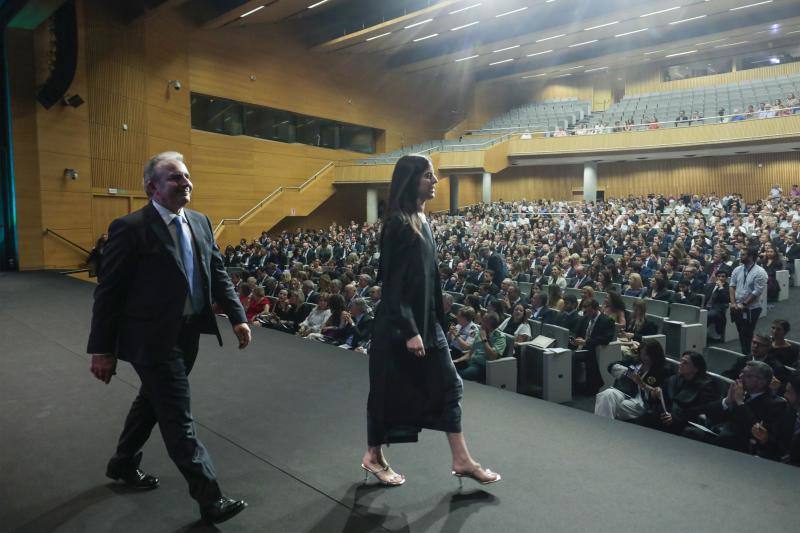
415	346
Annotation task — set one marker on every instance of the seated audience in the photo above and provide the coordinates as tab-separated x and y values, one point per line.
782	350
782	441
490	345
316	318
592	330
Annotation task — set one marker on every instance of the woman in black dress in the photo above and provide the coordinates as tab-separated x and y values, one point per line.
413	383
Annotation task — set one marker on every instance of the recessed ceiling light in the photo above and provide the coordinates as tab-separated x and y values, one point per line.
259	8
511	12
506	48
465	26
465	8
539	53
501	62
420	23
595	69
681	53
563	75
631	32
711	42
573	68
687	20
660	11
730	44
791	32
583	43
468	57
545	74
312	6
426	37
653	52
750	5
551	37
378	36
601	25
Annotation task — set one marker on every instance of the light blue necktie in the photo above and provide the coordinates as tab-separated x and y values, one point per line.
187	257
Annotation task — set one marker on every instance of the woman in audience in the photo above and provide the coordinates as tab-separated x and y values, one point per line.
274	318
659	290
635	286
772	264
554	299
413	382
244	294
682	398
519	272
335	330
781	349
614	307
603	282
635	380
637	327
587	293
517	325
257	304
316	318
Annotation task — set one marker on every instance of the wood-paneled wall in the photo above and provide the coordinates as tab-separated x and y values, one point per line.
750	175
130	114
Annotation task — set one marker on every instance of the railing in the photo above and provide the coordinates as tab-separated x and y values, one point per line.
78	246
270	196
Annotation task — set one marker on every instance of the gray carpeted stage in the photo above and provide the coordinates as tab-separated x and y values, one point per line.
284	422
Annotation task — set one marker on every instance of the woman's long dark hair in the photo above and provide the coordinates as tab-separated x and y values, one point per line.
404	190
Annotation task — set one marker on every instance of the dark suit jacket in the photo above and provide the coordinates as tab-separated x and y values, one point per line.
686	400
783	444
139	304
497	264
545	315
738	420
568	320
602	333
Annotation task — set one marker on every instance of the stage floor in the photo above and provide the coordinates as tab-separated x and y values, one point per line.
284	423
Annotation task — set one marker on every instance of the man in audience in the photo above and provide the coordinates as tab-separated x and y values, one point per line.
748	282
361	322
490	345
592	330
309	292
717	303
759	351
539	309
750	400
782	441
494	262
569	315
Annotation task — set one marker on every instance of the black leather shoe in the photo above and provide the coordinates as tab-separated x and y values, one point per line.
135	479
223	509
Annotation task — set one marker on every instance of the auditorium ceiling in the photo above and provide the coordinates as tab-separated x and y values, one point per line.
518	39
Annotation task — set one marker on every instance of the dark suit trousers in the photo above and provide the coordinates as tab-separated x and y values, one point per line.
164	399
746	324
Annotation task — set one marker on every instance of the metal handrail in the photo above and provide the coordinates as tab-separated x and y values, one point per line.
78	246
270	196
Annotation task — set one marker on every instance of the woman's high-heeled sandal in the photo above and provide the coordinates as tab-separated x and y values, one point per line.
471	475
368	471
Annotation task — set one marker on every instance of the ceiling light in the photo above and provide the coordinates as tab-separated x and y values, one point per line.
563	76
631	32
711	42
552	37
465	26
312	6
730	44
573	68
791	32
506	48
750	5
534	75
583	43
653	52
539	53
601	25
420	23
595	69
378	36
500	62
259	8
687	20
681	53
465	8
660	11
511	12
468	57
426	37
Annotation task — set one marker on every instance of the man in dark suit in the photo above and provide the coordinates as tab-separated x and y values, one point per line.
495	263
161	269
750	400
568	318
539	309
593	329
582	279
717	303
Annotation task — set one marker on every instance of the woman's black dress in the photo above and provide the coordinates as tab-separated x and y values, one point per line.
408	393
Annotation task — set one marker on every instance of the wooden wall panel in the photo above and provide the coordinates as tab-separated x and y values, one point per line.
470	189
648	79
105	209
535	183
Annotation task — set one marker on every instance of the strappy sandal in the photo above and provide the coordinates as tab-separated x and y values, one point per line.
471	475
387	483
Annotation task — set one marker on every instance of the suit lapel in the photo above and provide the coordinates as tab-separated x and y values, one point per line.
196	224
158	226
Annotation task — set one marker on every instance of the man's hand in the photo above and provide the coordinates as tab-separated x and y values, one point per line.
775	384
103	367
666	419
416	346
760	433
242	332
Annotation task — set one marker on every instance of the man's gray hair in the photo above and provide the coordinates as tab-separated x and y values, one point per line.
362	304
150	174
762	370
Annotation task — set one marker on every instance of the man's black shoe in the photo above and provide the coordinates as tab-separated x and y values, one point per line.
135	479
223	509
